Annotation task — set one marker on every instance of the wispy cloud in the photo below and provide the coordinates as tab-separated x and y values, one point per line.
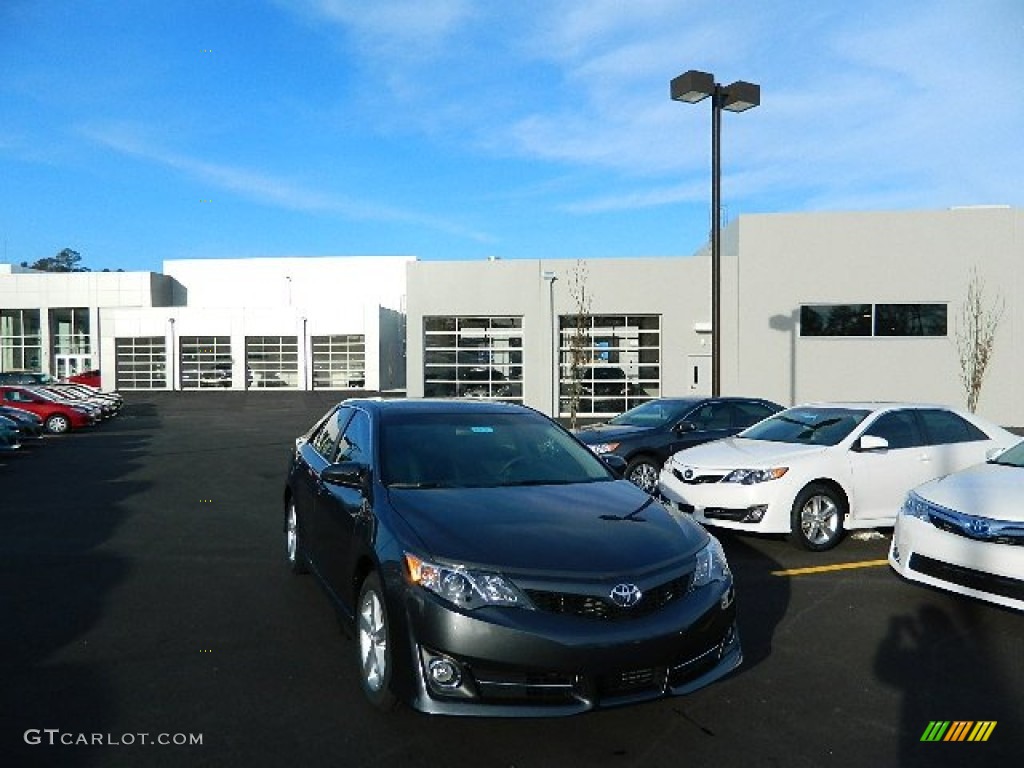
261	187
908	95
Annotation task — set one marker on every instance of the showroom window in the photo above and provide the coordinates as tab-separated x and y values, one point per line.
617	360
873	320
205	361
69	329
141	362
473	357
20	340
272	361
339	362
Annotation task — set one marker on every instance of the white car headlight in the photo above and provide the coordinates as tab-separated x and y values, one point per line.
465	587
915	506
751	476
711	565
602	448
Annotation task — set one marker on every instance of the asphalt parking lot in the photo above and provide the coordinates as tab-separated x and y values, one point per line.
145	599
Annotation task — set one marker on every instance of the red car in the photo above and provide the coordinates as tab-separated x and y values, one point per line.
58	416
89	378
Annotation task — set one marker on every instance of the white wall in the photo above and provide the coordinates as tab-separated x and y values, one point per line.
785	260
675	288
329	282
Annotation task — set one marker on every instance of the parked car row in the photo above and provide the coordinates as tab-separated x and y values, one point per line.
58	406
948	482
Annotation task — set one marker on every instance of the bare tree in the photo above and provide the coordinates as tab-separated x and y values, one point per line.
975	336
579	341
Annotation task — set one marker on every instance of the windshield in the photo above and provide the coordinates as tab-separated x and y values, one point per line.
807	426
1011	457
653	413
482	450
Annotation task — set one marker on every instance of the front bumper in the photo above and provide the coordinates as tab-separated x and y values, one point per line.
532	663
760	508
992	572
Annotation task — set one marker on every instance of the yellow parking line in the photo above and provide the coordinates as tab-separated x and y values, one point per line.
826	568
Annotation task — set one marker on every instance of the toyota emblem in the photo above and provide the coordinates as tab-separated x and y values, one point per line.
978	527
688	474
626	595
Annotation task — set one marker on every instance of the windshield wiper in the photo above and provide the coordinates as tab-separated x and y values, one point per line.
406	486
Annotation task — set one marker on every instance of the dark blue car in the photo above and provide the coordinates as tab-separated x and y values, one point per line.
645	436
489	564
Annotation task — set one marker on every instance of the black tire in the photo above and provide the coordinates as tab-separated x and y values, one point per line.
57	424
817	518
293	540
643	472
373	645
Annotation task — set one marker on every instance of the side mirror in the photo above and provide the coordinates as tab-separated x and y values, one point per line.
350	474
685	426
869	443
616	464
994	453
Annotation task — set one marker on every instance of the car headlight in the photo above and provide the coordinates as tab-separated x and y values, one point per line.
711	565
464	587
602	448
752	476
915	506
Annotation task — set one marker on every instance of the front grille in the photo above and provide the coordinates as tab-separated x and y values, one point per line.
602	608
499	684
969	578
696	479
525	687
632	682
721	513
694	668
976	528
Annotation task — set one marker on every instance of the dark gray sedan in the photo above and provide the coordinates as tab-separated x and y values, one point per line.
489	564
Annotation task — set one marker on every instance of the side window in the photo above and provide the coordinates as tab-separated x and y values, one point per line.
712	416
946	427
325	441
899	428
746	414
355	442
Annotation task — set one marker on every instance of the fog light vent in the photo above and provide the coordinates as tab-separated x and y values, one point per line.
755	514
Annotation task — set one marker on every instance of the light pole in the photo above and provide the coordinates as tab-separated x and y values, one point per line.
693	86
171	358
549	276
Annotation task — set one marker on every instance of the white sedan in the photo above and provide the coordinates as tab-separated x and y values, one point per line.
814	470
963	533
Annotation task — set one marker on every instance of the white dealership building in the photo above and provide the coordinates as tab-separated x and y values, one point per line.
816	306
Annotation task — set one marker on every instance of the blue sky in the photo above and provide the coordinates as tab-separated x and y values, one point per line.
141	130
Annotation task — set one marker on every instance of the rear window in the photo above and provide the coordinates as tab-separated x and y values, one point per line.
944	427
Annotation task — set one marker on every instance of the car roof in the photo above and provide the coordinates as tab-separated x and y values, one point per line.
871	405
434	405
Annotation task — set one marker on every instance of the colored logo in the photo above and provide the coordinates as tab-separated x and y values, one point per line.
958	730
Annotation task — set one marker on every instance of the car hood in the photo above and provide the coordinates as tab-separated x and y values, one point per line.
606	433
739	452
985	490
604	527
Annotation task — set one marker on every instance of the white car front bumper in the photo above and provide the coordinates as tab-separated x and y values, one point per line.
988	571
760	507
